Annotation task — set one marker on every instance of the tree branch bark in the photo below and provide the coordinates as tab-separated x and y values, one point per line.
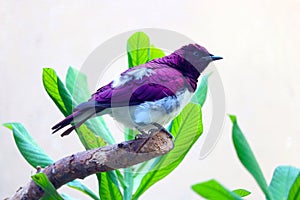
83	164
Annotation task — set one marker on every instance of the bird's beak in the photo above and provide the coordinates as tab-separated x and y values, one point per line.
215	57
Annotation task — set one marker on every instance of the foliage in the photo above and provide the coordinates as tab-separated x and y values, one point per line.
213	190
130	183
285	183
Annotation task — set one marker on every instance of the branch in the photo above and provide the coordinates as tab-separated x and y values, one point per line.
83	164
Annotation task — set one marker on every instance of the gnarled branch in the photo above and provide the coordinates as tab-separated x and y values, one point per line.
83	164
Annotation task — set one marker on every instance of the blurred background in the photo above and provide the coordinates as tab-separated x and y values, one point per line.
259	41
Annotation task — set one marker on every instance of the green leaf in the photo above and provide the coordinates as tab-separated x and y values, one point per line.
138	49
84	189
155	53
200	95
187	123
113	177
50	192
108	190
128	175
29	149
247	157
214	190
282	181
120	178
98	126
57	91
186	128
88	138
241	192
295	189
130	134
232	118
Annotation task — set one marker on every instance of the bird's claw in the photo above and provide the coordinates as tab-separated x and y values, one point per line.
159	127
141	135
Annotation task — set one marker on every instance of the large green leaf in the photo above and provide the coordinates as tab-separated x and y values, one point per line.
50	192
215	191
29	149
108	189
295	189
57	91
186	128
247	157
282	181
138	49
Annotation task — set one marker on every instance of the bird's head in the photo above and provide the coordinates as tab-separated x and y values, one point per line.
197	56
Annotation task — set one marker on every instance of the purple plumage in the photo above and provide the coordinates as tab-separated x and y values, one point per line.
152	93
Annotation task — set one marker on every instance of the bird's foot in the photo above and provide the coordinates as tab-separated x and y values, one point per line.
142	134
159	127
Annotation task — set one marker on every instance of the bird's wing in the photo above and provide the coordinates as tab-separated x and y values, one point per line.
134	86
158	83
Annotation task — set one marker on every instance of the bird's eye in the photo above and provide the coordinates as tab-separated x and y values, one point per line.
195	53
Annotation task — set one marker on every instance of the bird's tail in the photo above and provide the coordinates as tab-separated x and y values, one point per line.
81	114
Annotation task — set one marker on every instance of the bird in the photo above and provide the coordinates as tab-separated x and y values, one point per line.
151	94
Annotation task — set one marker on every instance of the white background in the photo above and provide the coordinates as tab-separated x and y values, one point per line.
259	41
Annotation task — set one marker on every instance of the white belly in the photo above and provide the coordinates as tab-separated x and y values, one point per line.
161	111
